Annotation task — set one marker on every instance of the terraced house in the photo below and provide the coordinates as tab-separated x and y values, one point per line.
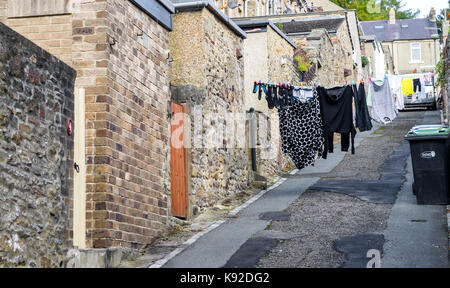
412	43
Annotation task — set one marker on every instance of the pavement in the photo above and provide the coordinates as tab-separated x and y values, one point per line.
214	249
416	236
407	235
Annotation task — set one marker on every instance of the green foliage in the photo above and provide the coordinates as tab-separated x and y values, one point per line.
303	63
440	18
440	81
279	26
364	61
365	10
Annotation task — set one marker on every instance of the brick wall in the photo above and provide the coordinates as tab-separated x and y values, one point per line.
36	174
53	33
130	195
90	56
3	10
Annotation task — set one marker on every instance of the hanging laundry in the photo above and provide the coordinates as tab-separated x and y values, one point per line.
301	131
384	109
407	87
369	98
421	87
269	96
336	107
284	96
417	87
362	119
428	79
303	94
395	82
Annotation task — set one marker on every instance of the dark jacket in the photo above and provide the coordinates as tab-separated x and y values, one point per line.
336	107
362	120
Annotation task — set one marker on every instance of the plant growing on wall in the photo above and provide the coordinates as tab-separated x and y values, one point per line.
303	63
440	81
364	61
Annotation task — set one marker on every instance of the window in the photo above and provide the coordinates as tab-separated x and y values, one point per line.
416	52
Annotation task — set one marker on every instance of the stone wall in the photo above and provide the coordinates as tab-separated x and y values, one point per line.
343	51
280	57
119	53
36	166
327	55
207	75
446	91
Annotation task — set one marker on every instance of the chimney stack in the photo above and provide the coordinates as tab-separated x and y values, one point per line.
432	16
392	16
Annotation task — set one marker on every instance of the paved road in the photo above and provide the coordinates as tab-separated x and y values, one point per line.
406	243
215	248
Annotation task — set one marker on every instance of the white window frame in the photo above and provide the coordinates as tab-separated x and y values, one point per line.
412	48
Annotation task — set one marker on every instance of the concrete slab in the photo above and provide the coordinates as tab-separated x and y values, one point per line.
249	254
383	191
356	247
275	216
380	192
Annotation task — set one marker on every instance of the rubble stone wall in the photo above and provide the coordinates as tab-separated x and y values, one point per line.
208	75
36	154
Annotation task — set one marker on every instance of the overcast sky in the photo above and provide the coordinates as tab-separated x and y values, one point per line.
425	5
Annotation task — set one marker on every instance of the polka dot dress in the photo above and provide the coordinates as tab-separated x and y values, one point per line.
301	131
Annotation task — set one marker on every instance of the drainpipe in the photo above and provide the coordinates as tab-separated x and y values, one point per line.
253	138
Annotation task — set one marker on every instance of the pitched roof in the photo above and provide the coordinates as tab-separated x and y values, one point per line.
404	29
247	25
306	25
192	5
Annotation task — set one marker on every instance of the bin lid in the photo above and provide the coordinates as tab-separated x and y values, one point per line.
429	130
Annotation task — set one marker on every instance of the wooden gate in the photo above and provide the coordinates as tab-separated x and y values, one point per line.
178	163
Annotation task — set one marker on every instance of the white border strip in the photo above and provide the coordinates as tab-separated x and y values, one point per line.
234	212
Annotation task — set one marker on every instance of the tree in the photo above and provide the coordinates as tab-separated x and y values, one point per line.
439	21
366	10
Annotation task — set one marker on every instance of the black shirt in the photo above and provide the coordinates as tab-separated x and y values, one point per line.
336	107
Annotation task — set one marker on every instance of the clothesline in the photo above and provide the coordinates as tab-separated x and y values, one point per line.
282	84
307	128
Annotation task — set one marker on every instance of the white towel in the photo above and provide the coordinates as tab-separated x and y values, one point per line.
384	109
395	82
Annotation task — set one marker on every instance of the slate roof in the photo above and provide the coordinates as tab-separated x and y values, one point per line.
247	25
306	25
405	29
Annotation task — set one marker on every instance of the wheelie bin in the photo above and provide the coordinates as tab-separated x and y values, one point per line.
431	162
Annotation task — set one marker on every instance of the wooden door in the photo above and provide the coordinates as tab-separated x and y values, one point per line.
178	163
